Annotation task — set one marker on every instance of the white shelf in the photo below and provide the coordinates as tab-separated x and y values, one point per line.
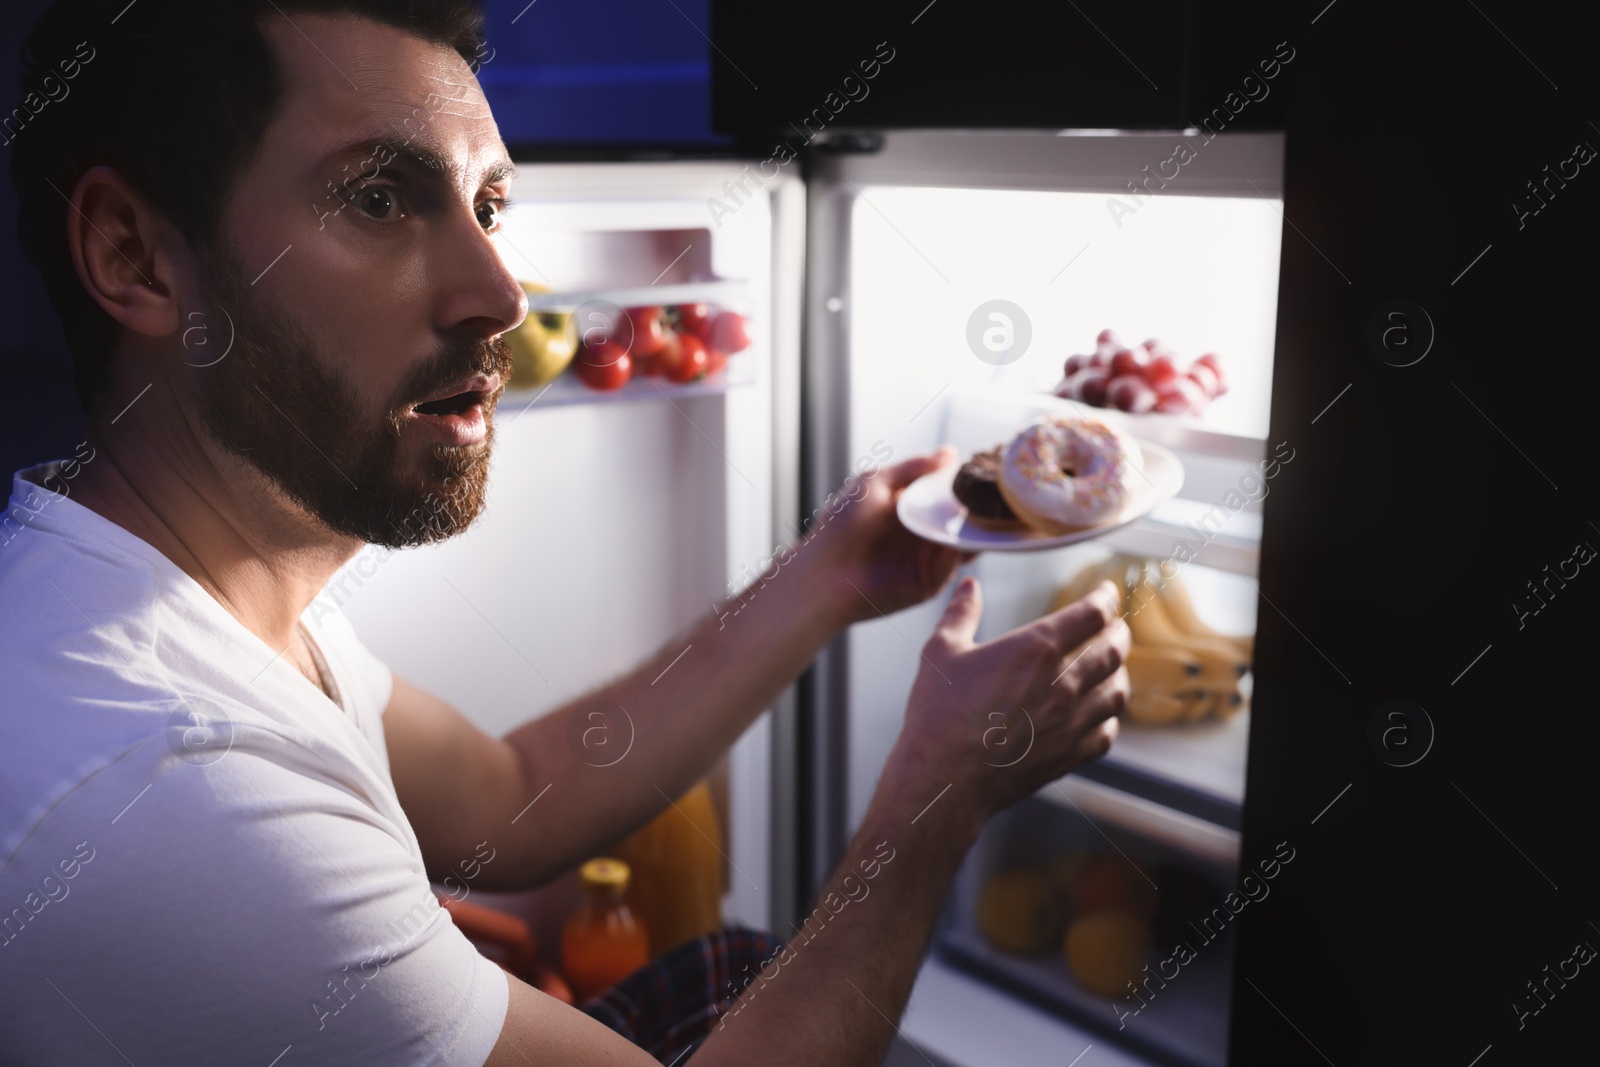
567	389
1208	757
1156	535
1180	831
1181	433
723	293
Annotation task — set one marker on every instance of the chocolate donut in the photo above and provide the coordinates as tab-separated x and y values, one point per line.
977	486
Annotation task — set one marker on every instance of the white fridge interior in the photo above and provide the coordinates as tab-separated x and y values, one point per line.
906	244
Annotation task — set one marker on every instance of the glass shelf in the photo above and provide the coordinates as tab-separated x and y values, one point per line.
721	293
567	389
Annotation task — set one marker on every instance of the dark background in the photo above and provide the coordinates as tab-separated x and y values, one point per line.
1421	503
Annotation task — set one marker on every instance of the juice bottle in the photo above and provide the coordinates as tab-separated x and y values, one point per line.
678	873
602	943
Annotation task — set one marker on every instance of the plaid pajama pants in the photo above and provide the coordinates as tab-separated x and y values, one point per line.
670	1006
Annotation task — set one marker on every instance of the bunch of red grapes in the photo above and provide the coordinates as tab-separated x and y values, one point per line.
1142	378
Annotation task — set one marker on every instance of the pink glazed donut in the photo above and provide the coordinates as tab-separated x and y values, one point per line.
1063	474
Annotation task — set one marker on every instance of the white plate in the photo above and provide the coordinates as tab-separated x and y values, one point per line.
928	507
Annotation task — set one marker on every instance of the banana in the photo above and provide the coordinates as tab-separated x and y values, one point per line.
1179	669
1230	705
1221	661
1149	709
1161	670
1180	609
1086	579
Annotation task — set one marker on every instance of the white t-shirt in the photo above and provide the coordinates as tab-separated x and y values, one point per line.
202	856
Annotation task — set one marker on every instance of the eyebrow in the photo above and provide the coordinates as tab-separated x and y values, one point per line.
421	155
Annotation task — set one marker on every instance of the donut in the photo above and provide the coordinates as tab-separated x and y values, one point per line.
1063	474
977	487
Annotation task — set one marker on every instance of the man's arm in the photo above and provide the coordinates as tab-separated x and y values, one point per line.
607	762
833	994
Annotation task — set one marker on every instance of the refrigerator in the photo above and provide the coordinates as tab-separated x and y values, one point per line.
615	520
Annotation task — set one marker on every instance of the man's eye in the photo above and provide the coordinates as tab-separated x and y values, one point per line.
378	202
489	213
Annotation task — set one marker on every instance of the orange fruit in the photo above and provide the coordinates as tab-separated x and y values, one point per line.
1020	911
1106	950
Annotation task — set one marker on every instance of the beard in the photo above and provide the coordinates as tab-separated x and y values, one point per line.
278	401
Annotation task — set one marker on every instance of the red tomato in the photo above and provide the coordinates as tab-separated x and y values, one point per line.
605	350
696	319
602	371
717	362
684	359
730	333
649	331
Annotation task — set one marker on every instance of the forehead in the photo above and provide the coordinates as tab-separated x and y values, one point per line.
347	78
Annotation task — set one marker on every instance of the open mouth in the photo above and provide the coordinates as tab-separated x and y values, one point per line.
450	405
476	393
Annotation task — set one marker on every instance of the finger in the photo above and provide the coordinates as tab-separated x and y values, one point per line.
959	624
1098	741
907	471
1098	661
1105	701
1083	619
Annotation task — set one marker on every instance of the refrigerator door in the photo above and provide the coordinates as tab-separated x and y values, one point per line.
914	251
616	520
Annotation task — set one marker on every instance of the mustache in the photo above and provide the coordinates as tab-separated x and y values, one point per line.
455	361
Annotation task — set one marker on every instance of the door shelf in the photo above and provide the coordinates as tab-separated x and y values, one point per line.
722	293
566	389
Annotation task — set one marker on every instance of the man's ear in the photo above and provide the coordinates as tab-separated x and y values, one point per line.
123	249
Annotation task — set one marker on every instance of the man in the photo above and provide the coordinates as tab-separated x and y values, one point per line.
217	818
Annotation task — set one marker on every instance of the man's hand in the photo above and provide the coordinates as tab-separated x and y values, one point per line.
1055	686
869	563
1000	720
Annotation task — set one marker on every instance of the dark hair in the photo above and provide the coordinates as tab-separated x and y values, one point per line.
175	94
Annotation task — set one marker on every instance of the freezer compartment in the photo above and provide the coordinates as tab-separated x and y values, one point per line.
1171	1004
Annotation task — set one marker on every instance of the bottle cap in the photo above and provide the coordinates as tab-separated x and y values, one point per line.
605	873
